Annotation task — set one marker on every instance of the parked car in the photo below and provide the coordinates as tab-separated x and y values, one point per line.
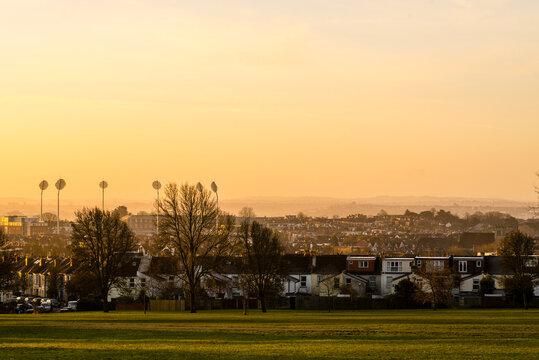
71	306
28	299
49	304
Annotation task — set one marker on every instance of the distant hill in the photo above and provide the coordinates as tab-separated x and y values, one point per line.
322	206
278	206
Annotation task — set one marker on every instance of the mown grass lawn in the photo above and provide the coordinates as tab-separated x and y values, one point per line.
379	334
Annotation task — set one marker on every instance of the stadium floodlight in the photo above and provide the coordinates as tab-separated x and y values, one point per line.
214	189
60	184
43	185
103	185
157	185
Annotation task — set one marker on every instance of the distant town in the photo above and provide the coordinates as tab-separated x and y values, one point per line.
434	232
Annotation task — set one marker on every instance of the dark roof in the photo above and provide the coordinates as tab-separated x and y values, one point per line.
356	277
230	265
297	264
163	265
130	268
330	264
493	265
471	239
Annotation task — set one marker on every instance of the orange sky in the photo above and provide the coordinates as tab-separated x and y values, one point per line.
293	98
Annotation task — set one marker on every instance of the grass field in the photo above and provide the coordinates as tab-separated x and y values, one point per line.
381	334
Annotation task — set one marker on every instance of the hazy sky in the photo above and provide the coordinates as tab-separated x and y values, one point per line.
323	98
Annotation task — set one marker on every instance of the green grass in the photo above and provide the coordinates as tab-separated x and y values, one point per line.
382	334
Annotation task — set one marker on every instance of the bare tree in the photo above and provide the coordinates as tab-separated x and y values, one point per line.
437	286
330	287
520	267
8	262
188	225
262	268
247	212
101	244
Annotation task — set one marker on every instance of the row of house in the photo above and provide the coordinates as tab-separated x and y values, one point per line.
377	276
318	275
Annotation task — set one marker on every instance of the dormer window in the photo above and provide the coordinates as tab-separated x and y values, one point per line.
418	263
394	266
363	264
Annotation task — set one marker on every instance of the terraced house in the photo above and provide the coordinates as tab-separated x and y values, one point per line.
308	275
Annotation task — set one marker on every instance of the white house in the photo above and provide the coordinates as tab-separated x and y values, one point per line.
393	269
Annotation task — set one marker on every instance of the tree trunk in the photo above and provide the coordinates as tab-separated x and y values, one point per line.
329	303
105	303
245	305
263	302
192	301
525	300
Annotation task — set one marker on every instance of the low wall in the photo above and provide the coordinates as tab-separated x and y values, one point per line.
130	307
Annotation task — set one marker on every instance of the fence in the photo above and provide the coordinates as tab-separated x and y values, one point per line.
167	305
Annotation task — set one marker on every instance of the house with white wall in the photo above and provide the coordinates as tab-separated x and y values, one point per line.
394	269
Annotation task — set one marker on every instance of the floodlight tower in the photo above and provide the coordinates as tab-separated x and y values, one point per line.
157	185
103	185
214	189
43	185
60	184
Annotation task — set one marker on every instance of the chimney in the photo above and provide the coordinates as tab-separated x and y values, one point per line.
313	261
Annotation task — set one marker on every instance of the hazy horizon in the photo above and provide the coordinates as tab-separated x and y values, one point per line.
280	206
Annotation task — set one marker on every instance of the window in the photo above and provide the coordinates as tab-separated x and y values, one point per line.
132	282
463	266
435	265
363	264
394	266
319	279
303	281
475	284
336	283
439	264
372	282
530	262
418	263
478	263
348	281
351	262
388	282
